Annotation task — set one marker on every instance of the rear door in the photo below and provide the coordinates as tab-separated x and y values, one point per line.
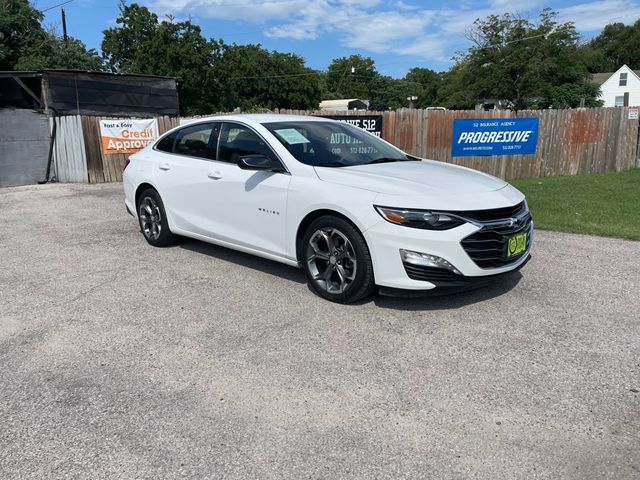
184	159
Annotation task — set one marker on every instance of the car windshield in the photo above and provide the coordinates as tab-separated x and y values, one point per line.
333	144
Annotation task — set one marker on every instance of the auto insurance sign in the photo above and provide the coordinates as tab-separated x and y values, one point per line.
494	136
127	136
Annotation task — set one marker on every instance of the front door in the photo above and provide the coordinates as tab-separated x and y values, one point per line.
249	207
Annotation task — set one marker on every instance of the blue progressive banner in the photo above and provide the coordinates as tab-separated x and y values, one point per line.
494	136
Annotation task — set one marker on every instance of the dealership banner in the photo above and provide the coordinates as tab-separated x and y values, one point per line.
127	136
494	136
370	123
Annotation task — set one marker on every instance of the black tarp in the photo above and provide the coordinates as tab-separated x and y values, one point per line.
94	93
14	96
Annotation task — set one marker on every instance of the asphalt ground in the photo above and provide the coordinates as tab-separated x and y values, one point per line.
119	360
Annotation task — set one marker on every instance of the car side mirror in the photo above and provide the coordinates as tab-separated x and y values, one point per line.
260	162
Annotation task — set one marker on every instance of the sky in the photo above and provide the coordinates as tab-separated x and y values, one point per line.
397	34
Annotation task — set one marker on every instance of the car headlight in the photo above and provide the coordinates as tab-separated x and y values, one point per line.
424	219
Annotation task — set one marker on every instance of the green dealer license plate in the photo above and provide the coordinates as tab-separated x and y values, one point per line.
517	244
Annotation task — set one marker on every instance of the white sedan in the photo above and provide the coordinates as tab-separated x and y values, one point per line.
352	210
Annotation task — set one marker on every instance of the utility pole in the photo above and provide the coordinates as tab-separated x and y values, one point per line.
64	28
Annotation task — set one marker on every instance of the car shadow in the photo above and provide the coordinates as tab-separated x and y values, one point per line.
449	301
246	260
445	301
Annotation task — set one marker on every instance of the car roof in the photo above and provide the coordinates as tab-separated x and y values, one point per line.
261	118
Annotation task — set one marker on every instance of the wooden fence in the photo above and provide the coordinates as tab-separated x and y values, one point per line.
570	142
78	153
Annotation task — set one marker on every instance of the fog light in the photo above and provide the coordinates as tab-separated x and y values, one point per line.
426	260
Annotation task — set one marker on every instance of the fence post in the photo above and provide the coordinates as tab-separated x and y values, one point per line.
638	145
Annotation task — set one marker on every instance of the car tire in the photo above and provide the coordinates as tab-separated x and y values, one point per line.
153	219
336	260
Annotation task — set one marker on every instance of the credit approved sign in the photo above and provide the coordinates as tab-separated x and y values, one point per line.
494	136
127	136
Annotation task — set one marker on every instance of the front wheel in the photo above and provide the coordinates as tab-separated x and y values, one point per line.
336	260
153	219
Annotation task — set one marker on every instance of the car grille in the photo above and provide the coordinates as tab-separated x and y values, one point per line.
494	214
488	247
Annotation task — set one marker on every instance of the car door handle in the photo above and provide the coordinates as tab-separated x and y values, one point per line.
214	175
165	166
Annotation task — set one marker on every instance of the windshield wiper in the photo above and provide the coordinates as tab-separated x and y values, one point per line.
327	164
387	160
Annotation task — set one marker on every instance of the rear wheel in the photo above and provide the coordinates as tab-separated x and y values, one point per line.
336	260
153	219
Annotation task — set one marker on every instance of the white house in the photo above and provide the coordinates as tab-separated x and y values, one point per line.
619	89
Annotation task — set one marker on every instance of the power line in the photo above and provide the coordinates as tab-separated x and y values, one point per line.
501	44
55	6
190	6
284	75
244	4
346	73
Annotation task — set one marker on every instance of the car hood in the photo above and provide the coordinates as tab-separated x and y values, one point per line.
411	177
425	184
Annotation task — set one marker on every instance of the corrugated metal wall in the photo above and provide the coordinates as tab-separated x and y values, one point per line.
69	156
24	147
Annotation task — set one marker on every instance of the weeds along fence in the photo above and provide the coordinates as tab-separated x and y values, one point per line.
570	142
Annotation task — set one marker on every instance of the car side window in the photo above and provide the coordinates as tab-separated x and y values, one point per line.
194	141
166	143
237	140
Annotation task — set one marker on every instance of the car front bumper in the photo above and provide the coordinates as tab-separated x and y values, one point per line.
385	240
462	284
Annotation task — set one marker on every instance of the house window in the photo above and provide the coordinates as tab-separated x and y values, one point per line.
619	101
623	80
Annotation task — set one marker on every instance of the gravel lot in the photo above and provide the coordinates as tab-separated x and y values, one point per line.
123	361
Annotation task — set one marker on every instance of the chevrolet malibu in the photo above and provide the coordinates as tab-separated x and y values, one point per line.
353	211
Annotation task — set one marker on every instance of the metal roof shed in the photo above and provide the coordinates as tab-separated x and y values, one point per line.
344	104
73	92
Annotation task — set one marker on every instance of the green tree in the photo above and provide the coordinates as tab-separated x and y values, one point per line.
617	45
211	75
454	92
351	77
54	52
25	45
124	46
392	93
520	61
385	94
570	95
429	82
20	31
254	78
142	44
594	59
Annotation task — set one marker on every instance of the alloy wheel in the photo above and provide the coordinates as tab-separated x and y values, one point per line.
150	218
331	260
